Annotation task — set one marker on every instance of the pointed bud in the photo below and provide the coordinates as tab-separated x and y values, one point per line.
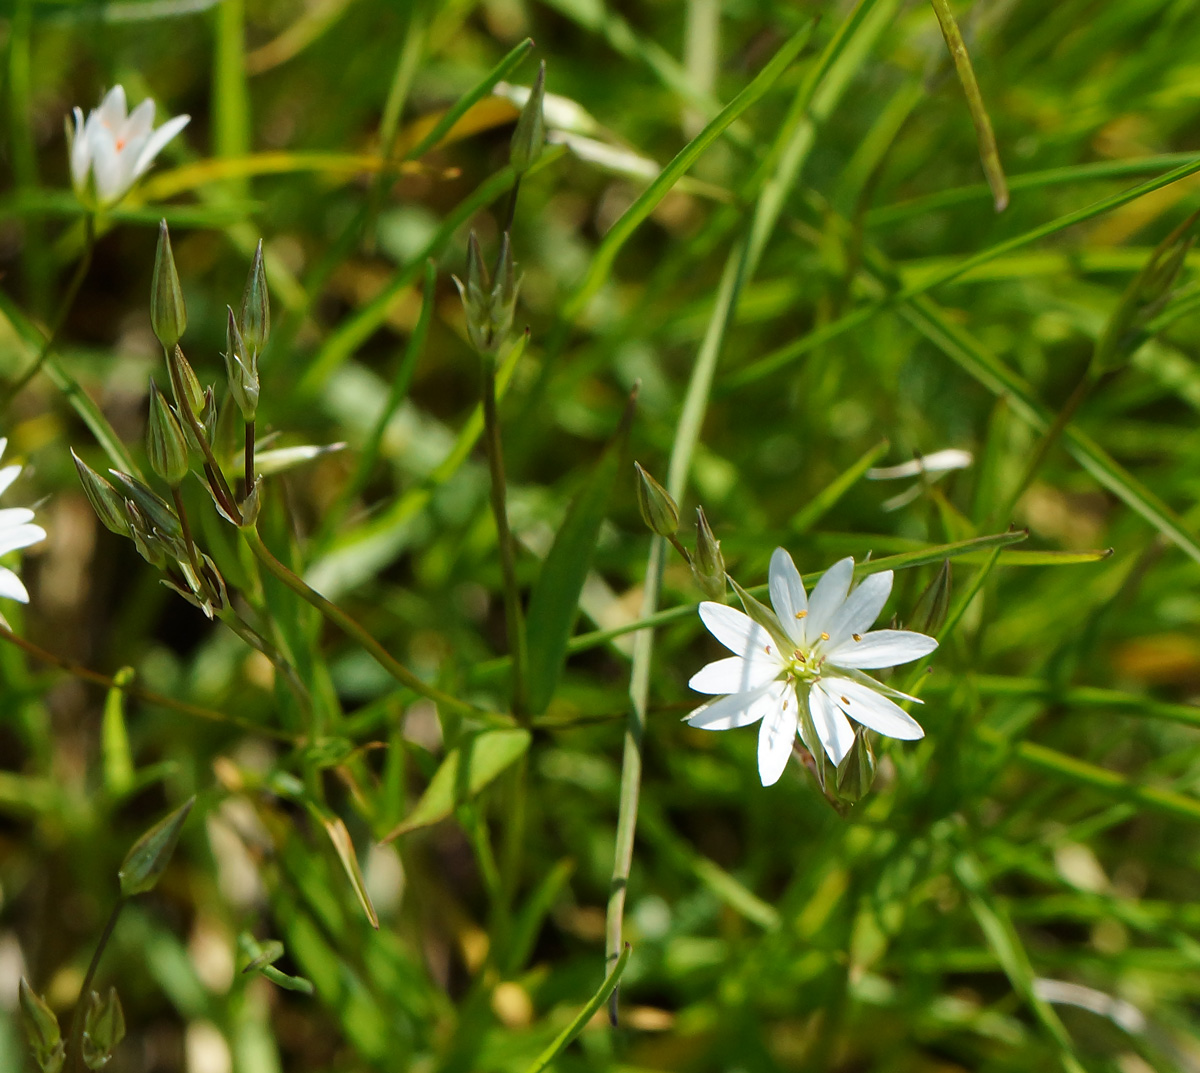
505	285
254	319
530	135
108	505
166	445
168	313
154	513
478	280
241	368
184	376
41	1029
147	860
933	604
658	509
856	772
103	1028
708	564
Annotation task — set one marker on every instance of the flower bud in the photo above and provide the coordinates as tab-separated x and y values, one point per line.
185	376
489	304
166	445
504	293
708	564
658	509
108	505
254	319
41	1029
156	516
241	367
103	1028
147	859
530	135
168	313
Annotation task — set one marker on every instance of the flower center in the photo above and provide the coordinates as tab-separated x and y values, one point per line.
804	666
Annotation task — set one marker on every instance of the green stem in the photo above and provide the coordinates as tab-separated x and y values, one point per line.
75	1039
260	644
351	628
64	309
514	621
249	476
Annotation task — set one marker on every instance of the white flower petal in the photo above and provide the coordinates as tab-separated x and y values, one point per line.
834	672
734	675
155	143
834	730
776	737
737	710
108	170
882	648
11	516
20	536
81	152
11	587
828	596
938	462
787	595
139	124
867	707
860	610
7	475
112	110
737	632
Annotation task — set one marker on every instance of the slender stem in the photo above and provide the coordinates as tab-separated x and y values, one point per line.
351	628
249	457
148	696
260	644
75	1039
511	212
64	309
1048	440
515	624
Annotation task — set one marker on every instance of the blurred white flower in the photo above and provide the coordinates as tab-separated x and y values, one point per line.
812	662
113	148
16	531
929	468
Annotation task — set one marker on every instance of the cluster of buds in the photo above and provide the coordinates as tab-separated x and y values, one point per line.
490	299
181	426
660	512
103	1029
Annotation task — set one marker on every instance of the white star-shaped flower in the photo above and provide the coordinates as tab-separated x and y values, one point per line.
829	643
16	531
113	148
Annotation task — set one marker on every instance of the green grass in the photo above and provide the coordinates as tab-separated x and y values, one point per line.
816	283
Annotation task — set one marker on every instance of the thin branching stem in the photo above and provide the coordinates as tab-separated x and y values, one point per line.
249	475
64	310
75	1038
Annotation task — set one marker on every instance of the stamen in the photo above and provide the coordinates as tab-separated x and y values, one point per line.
845	700
801	614
857	636
767	649
824	636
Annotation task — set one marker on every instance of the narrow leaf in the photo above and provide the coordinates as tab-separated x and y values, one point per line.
335	828
118	760
466	770
554	602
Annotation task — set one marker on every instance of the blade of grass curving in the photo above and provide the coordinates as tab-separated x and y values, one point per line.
565	1037
554	601
820	505
307	29
788	353
989	155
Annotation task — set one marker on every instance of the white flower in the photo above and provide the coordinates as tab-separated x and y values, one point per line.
929	468
819	669
114	148
16	531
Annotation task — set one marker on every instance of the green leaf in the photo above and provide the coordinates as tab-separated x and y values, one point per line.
335	828
147	860
564	1038
554	602
466	770
820	505
118	760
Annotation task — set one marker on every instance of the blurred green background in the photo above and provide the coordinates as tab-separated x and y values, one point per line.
1018	891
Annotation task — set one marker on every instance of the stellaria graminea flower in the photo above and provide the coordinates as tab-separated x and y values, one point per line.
814	663
114	147
16	531
929	468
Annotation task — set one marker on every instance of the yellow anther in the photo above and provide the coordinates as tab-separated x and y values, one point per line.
767	649
824	636
857	636
801	614
845	700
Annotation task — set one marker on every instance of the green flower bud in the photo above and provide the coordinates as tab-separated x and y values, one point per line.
708	564
103	1028
146	861
241	367
41	1029
504	293
183	375
168	313
489	304
530	135
254	320
155	514
166	445
108	505
658	509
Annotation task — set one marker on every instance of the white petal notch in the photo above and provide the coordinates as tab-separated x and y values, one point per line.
833	647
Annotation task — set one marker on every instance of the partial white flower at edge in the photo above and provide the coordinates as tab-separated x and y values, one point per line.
830	644
16	531
113	148
929	468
